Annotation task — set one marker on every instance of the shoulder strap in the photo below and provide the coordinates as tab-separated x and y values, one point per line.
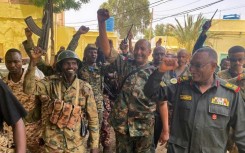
133	72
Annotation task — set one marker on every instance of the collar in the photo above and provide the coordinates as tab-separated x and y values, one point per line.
215	84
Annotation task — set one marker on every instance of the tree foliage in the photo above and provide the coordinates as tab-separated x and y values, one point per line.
147	34
128	12
163	30
188	33
61	5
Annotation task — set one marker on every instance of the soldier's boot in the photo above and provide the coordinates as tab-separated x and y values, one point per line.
107	149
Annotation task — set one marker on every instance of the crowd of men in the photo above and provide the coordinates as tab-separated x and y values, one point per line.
182	101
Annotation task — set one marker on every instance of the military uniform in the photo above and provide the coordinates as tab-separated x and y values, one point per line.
200	121
32	121
92	75
239	81
232	78
67	105
11	111
227	74
132	115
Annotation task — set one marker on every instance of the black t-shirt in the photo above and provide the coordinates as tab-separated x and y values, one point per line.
10	108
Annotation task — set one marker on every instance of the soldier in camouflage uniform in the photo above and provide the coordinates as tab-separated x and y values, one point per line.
69	103
236	56
47	69
14	79
132	115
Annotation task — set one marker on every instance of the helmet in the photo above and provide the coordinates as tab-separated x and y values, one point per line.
66	54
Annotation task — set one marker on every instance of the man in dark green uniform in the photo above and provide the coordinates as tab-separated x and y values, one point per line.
132	115
205	107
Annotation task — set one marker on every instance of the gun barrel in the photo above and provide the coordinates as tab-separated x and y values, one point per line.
213	15
129	31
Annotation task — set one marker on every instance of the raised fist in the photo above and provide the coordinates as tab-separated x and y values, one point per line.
102	15
83	30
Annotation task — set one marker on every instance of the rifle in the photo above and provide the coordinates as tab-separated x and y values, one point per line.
43	32
125	40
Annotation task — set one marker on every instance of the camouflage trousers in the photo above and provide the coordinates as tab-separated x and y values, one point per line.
105	127
47	149
127	144
32	134
231	146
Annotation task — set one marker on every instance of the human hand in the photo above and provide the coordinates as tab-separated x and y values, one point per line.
36	53
164	137
167	64
83	30
103	15
94	150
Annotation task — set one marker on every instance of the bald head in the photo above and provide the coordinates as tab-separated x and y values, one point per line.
211	53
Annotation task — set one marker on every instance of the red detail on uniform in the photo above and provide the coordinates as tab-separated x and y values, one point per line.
218	83
214	117
239	77
237	89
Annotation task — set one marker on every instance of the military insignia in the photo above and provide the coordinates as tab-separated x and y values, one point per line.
173	80
162	84
220	101
185	97
214	116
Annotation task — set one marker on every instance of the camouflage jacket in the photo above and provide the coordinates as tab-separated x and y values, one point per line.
31	105
132	112
92	75
226	74
64	138
239	81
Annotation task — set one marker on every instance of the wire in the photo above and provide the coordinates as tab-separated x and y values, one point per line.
178	7
132	10
188	11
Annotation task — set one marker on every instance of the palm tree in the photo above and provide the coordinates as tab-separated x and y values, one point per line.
188	33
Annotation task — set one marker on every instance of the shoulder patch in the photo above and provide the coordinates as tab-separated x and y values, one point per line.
230	86
183	78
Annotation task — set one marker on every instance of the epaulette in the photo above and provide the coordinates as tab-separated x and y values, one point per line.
53	77
229	86
241	77
183	78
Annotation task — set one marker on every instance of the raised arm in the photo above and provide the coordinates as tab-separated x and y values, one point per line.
29	82
74	42
202	37
103	15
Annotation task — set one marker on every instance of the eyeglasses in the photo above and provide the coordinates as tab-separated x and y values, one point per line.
236	59
198	66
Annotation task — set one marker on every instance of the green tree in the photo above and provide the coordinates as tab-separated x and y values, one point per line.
163	30
147	33
61	5
188	33
128	12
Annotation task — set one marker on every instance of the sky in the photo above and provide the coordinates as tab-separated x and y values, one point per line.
163	11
